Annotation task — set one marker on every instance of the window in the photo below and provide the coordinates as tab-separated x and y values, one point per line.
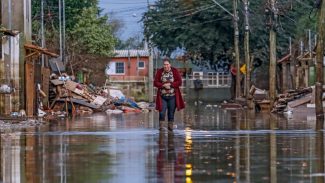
119	67
141	64
212	78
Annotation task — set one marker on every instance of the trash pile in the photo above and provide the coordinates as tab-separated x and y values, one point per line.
292	99
67	96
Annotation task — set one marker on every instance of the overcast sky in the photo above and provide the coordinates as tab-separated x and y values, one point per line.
130	11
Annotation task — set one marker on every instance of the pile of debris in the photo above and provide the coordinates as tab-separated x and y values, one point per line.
292	99
70	97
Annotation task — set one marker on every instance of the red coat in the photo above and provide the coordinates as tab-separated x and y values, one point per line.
176	84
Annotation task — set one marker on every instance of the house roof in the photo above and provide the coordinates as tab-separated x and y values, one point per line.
131	53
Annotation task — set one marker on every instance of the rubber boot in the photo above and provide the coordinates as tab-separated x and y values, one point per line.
161	125
170	126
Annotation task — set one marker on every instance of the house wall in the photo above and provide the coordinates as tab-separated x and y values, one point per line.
132	70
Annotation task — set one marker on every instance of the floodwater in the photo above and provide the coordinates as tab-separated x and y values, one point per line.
209	144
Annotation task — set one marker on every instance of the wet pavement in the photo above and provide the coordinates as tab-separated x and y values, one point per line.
209	144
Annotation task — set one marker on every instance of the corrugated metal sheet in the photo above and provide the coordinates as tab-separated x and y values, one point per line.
131	53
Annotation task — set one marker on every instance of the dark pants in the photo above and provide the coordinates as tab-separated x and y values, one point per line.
169	105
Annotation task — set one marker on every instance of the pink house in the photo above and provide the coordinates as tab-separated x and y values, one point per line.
128	65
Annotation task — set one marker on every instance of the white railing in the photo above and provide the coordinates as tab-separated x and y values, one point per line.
113	79
218	80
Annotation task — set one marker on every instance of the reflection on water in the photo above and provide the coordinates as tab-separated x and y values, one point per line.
209	145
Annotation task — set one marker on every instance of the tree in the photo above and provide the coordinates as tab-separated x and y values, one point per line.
202	28
51	19
193	25
89	35
84	26
92	34
116	23
130	43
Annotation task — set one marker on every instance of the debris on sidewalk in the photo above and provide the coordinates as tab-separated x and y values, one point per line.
70	97
292	99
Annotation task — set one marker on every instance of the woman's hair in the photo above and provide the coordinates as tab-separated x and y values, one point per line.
166	60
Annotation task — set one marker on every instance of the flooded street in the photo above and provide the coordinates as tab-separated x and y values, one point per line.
209	144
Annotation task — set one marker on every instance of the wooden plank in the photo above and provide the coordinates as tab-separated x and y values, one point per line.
46	81
300	101
30	89
71	85
31	55
99	100
81	102
57	82
41	50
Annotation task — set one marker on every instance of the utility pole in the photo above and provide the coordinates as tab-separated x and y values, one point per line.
63	34
236	43
272	69
247	57
319	67
60	27
150	70
42	29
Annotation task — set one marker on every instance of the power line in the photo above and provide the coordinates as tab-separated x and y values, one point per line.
186	15
201	23
223	8
130	3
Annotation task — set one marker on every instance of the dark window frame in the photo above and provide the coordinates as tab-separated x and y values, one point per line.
119	68
142	67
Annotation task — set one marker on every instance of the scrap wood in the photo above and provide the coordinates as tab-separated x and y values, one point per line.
300	101
282	100
252	90
99	100
70	85
82	92
80	102
76	96
78	91
40	49
57	82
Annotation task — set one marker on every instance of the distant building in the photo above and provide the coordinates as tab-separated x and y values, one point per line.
128	65
129	70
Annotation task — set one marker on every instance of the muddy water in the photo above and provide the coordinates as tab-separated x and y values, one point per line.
209	144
